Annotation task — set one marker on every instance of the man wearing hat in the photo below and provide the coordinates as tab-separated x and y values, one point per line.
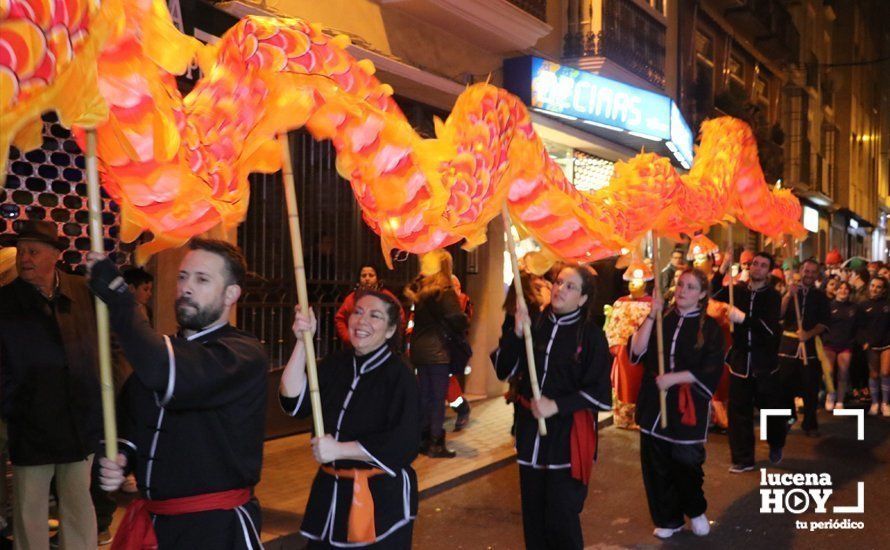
49	390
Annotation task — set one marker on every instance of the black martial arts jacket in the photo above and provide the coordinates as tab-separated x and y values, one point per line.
374	401
680	353
192	419
815	310
755	342
573	363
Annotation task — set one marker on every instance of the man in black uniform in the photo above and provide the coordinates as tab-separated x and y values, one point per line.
753	364
798	343
193	413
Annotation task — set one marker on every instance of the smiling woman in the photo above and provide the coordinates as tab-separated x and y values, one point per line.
369	398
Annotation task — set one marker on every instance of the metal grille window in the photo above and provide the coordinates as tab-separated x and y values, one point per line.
50	184
336	244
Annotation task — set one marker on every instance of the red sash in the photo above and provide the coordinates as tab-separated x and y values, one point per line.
582	441
686	405
136	531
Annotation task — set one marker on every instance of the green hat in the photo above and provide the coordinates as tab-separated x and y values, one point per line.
857	264
790	263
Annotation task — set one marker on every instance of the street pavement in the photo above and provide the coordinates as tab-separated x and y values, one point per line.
485	513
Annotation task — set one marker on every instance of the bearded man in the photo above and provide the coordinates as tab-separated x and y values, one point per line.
193	413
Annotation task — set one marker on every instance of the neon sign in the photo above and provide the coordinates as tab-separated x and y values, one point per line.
580	96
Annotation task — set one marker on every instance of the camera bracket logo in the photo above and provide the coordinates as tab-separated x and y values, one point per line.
797	493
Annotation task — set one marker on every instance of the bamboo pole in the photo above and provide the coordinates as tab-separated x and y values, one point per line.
801	346
296	241
729	250
103	330
526	329
659	336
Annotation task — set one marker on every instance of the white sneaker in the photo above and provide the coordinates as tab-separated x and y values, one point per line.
829	405
839	405
700	525
665	532
873	410
885	409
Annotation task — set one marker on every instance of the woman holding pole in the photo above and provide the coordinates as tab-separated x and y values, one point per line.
573	364
672	456
365	491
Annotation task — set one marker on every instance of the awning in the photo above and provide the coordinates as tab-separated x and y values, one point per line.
817	200
850	215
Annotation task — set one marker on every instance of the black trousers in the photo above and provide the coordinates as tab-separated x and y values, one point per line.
673	478
433	383
801	380
400	540
763	392
552	501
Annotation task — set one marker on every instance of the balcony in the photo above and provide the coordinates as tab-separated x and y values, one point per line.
766	22
500	26
781	41
538	8
752	17
628	40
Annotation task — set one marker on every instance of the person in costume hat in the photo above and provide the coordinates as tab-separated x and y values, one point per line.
573	363
50	389
789	269
626	316
193	414
672	457
833	260
365	491
859	279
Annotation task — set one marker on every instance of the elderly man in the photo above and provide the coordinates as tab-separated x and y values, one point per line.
193	413
50	391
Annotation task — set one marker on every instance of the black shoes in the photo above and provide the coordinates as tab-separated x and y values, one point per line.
437	449
775	455
463	415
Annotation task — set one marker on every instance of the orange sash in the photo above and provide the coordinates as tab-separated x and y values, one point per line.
361	511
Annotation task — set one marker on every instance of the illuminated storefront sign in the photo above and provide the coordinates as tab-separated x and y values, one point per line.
580	96
810	219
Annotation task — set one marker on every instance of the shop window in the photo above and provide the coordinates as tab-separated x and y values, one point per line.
735	70
704	47
761	93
